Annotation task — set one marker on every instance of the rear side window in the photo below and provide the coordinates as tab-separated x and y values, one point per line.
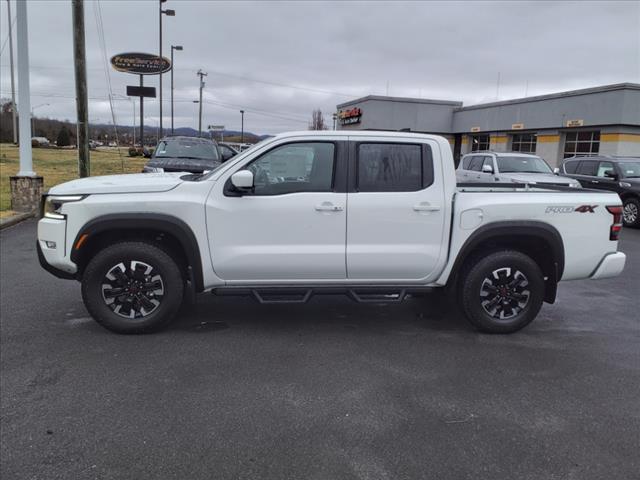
466	162
587	167
392	167
570	167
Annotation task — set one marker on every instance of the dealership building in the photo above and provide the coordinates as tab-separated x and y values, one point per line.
602	120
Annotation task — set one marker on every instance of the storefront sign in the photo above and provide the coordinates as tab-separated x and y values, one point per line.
350	117
475	129
517	126
575	123
140	63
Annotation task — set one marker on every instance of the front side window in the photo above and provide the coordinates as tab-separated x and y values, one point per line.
480	142
524	142
298	167
605	167
523	164
581	143
388	167
476	163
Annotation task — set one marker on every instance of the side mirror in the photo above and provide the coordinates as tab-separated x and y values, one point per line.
487	169
556	171
242	180
611	174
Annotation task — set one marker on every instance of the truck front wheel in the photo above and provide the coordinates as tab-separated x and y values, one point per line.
502	292
132	287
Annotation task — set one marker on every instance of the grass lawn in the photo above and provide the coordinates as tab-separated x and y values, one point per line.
58	166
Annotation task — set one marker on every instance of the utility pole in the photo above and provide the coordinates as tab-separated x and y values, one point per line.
241	128
201	74
82	104
13	87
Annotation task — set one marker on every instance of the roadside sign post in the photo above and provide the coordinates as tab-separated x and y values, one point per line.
141	64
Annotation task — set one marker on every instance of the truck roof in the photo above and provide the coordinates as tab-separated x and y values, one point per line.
356	133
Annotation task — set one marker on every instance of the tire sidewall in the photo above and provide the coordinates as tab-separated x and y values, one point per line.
482	269
125	252
636	202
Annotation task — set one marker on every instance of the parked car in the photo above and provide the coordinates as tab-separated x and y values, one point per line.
612	173
227	151
184	154
375	215
488	167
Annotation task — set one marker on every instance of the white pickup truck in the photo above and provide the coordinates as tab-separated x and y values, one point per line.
375	215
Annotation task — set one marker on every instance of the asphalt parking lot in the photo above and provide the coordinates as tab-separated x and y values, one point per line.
327	390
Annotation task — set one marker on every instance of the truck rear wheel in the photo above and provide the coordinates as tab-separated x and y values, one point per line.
502	292
132	287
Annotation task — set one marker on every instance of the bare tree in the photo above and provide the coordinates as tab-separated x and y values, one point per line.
317	121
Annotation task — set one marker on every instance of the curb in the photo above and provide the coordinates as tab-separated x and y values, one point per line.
15	219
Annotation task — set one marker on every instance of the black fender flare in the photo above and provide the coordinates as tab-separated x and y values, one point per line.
518	228
147	221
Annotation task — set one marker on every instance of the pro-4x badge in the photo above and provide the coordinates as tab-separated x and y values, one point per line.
586	208
568	209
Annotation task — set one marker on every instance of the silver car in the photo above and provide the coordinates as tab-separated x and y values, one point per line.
490	167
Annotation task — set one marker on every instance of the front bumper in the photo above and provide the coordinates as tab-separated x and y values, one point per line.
52	248
610	266
56	272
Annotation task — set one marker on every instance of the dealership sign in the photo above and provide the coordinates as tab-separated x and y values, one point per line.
140	63
350	117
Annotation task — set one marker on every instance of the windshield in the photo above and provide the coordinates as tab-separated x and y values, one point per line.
522	165
630	169
186	148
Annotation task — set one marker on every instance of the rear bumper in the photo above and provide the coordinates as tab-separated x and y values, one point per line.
610	266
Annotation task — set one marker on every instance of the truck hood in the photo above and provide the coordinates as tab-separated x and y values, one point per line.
540	178
131	183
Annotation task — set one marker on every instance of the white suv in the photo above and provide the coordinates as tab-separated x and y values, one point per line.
489	167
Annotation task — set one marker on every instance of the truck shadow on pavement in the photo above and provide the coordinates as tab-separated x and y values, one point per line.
211	313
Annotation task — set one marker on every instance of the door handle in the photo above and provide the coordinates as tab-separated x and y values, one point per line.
595	181
425	207
328	207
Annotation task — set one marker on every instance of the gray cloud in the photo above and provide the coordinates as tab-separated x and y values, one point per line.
280	60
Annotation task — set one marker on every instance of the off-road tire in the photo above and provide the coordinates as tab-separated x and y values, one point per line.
164	285
479	275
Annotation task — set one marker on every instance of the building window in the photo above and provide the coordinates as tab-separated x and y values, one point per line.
480	142
523	142
581	143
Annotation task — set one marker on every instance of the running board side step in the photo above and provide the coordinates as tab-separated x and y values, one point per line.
302	294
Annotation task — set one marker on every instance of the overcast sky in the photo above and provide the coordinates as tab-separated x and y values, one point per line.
280	60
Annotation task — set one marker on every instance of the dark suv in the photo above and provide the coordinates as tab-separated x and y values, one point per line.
184	154
614	173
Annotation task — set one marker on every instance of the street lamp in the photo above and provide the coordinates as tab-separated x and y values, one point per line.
179	48
33	118
242	128
168	13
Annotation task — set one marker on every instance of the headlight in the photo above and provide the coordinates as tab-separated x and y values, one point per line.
153	170
625	184
53	204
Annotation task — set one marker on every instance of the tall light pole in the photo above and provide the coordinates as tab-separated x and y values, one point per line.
24	94
33	118
168	13
201	74
241	127
335	118
13	87
179	48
